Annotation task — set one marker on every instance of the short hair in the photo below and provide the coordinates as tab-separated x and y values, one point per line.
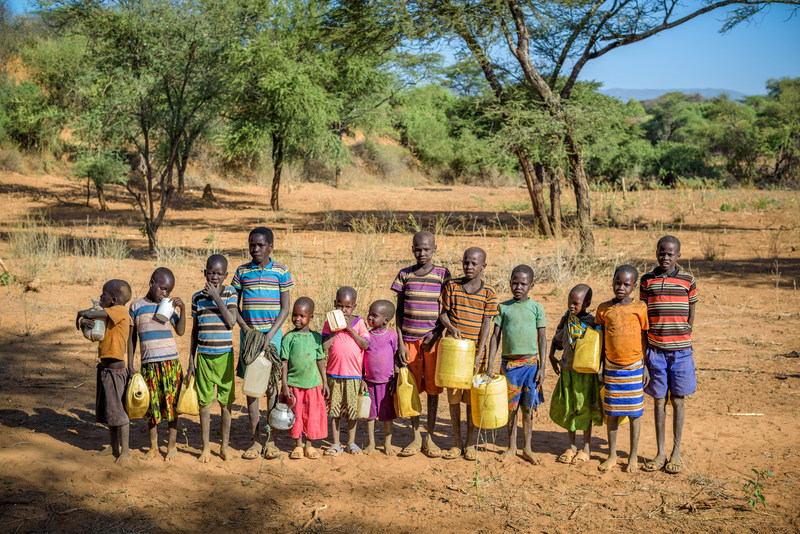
479	250
163	271
304	302
627	269
585	290
348	291
266	232
120	289
384	307
523	269
423	234
217	258
669	239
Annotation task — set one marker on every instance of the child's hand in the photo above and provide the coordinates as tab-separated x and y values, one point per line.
490	374
539	378
363	387
556	366
191	369
325	391
645	377
402	354
429	341
286	393
178	303
211	290
455	332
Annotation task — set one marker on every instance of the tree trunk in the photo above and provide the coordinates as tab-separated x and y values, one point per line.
338	176
555	201
579	183
101	197
181	173
277	167
535	192
88	190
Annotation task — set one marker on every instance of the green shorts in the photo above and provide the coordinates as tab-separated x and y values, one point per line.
215	370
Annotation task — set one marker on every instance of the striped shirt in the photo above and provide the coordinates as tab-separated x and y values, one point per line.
420	300
260	290
213	335
668	296
467	310
156	343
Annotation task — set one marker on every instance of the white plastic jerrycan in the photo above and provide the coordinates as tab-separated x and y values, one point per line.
256	376
98	331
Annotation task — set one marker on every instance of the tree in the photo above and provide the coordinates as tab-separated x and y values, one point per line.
100	167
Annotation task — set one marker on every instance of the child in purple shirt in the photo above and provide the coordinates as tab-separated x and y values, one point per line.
379	368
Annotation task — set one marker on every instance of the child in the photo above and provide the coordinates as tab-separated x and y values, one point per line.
303	372
418	288
112	373
576	398
264	298
520	323
161	368
214	310
345	369
670	294
625	325
379	368
468	306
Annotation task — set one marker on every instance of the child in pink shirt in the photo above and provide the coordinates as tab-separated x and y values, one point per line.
345	369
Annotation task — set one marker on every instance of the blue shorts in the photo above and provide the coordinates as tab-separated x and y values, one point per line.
670	370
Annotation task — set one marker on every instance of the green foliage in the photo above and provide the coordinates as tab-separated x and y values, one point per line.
25	116
754	487
102	167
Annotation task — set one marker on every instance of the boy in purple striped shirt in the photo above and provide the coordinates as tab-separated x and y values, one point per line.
418	288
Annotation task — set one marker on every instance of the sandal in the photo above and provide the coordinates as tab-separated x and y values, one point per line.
334	450
431	450
580	458
452	453
567	457
253	452
312	453
470	454
354	449
270	451
653	465
674	467
410	450
296	454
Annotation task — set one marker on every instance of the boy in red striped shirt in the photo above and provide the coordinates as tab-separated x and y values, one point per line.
671	295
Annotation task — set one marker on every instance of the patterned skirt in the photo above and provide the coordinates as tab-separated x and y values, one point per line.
163	379
624	395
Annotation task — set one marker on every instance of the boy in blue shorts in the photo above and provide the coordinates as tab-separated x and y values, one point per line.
670	294
264	300
521	325
214	310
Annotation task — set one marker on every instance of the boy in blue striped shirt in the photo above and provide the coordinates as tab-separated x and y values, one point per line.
214	310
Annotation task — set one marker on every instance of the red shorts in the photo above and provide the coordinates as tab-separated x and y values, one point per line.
422	364
311	415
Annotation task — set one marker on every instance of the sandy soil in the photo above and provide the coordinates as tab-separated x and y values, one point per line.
746	342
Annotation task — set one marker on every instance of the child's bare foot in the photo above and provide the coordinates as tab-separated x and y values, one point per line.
205	456
633	466
369	449
123	458
532	458
388	450
172	454
223	453
152	454
107	451
508	454
608	464
470	453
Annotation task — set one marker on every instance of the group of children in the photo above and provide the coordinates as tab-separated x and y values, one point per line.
647	348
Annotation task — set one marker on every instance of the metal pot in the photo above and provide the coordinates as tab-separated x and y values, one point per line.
281	417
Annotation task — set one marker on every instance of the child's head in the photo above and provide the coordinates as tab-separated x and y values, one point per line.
625	278
423	245
521	282
216	269
346	300
473	263
380	313
302	312
261	242
579	298
115	293
668	252
162	282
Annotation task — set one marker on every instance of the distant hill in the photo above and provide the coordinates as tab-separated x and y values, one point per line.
649	94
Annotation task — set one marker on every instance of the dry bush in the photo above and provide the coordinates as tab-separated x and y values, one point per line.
711	247
36	246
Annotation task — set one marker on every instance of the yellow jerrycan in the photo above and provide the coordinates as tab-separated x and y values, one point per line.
587	351
137	397
454	363
622	420
489	400
188	402
406	395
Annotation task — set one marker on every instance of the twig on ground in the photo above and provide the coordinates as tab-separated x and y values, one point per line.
314	515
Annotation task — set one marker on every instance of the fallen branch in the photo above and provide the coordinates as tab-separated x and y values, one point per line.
314	515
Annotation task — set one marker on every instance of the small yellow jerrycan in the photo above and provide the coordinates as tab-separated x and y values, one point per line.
188	402
454	363
137	397
406	395
489	399
587	351
621	421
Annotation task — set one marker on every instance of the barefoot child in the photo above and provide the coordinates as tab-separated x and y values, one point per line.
625	325
303	372
418	288
112	372
214	311
161	368
521	325
345	369
576	398
468	306
264	299
379	368
670	294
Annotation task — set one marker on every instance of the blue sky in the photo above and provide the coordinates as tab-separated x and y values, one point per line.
696	56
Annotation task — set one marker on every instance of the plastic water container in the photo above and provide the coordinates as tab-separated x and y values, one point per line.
587	351
364	404
98	331
164	311
336	320
188	401
454	363
489	400
256	376
406	395
137	397
621	420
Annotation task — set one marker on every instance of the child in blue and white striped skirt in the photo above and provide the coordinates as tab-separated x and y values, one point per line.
625	325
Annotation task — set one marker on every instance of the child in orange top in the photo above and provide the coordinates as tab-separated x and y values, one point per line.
625	326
